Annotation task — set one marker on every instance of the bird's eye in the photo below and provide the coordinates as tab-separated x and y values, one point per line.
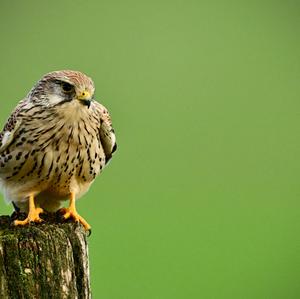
66	87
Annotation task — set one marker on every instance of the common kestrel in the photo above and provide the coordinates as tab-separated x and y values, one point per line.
54	144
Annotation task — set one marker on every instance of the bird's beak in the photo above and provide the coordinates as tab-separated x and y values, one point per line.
85	98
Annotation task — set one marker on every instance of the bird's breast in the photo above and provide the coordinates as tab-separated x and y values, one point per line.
56	155
75	157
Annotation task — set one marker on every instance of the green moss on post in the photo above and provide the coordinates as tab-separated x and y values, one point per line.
48	260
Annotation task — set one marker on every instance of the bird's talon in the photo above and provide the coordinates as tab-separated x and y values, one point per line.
32	217
62	210
72	213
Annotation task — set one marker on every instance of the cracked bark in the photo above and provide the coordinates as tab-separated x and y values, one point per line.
48	260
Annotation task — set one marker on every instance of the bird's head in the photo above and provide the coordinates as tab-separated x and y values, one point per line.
60	87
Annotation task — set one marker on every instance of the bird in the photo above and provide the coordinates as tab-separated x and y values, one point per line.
55	143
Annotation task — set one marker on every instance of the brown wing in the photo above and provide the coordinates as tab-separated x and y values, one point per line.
107	133
11	126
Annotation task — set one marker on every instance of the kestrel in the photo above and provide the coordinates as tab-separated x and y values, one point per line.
54	144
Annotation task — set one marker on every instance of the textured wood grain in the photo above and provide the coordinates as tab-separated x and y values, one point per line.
48	260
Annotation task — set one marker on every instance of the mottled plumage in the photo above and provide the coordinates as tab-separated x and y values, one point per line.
55	143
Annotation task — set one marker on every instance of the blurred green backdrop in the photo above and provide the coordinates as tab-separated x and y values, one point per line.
202	200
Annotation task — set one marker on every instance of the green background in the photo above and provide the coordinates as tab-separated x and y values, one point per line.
202	199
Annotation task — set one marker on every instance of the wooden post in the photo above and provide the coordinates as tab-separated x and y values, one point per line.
48	260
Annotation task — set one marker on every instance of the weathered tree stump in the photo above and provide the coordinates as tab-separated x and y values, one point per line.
48	260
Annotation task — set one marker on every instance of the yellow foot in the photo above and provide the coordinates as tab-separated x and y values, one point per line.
72	213
33	216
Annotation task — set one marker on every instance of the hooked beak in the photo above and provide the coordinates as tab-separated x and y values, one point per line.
85	98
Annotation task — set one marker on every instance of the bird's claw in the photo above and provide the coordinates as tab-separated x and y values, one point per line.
72	213
33	216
